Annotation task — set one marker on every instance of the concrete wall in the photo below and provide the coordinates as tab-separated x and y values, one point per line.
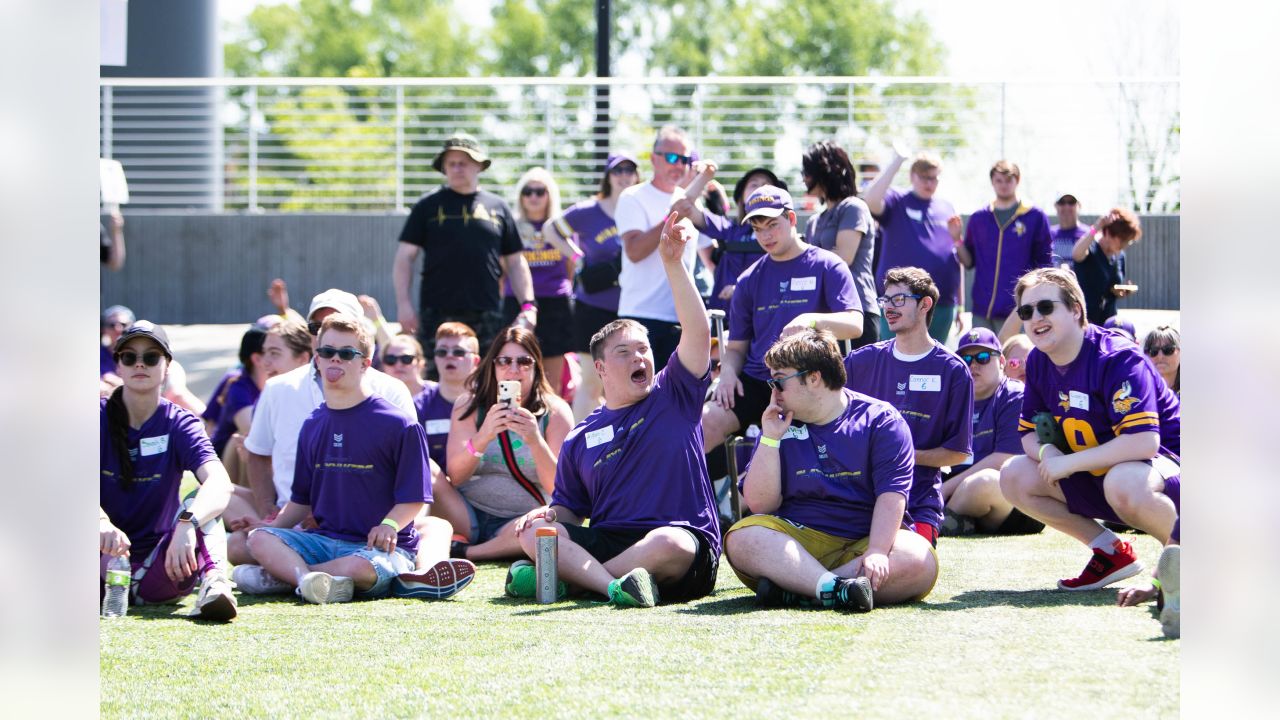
186	268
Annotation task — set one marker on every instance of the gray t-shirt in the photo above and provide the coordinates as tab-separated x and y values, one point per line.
850	214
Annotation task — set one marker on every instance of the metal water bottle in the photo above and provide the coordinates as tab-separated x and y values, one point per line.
545	563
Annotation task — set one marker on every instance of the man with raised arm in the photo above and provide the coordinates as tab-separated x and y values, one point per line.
635	466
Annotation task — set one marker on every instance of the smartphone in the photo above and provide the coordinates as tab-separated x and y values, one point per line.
509	392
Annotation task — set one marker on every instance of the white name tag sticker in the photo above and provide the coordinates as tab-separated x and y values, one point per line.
805	283
437	427
914	214
599	437
800	432
926	383
1079	400
153	445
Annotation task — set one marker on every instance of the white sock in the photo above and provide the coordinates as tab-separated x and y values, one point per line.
1105	541
826	583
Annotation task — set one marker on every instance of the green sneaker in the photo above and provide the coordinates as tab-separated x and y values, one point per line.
635	589
522	581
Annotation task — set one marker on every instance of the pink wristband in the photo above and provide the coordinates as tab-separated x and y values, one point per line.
528	306
472	449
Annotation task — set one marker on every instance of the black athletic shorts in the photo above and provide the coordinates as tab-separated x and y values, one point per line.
755	397
587	321
555	324
605	544
1019	523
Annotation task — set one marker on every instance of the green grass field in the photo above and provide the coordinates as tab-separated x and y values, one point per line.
993	640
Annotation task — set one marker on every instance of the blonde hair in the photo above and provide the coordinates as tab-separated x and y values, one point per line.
538	175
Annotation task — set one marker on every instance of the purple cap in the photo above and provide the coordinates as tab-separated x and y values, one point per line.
1116	322
616	159
979	337
767	201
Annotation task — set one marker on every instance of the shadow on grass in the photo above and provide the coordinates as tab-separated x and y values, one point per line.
1023	599
737	605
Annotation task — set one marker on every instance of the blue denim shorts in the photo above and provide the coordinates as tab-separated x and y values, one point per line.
484	526
315	549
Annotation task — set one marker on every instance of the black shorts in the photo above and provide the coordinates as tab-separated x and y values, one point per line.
1019	523
756	396
605	544
587	321
555	324
870	331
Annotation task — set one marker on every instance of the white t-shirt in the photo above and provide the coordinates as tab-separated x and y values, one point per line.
645	292
288	400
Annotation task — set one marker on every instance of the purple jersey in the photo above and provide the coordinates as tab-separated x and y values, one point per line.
547	265
1110	389
934	394
916	235
434	413
598	238
355	464
171	441
213	409
1001	255
833	473
995	421
771	294
241	393
739	250
642	467
1064	241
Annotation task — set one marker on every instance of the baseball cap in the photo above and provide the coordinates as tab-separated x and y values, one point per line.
467	144
1115	322
768	201
340	300
979	337
1066	197
616	159
741	185
146	329
114	310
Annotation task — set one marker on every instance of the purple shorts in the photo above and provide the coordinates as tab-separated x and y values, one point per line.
1085	496
151	584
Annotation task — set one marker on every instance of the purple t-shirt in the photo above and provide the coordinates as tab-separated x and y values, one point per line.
642	467
546	264
771	294
1064	240
598	237
1002	255
213	409
241	393
916	235
833	473
740	250
106	361
934	395
1109	389
434	413
171	441
355	464
995	421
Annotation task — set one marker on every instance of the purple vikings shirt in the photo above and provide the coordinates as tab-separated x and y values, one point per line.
433	413
641	467
995	421
740	250
241	393
1001	255
934	395
546	265
832	474
1064	240
355	464
916	235
771	294
598	237
170	441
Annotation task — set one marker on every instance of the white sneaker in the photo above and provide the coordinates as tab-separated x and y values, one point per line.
255	580
322	588
215	601
1169	571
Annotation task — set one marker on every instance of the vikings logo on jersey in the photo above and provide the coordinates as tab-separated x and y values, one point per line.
1122	402
1064	401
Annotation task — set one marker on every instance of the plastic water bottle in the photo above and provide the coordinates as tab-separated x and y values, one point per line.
115	603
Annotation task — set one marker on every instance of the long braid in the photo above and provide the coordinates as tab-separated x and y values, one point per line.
118	435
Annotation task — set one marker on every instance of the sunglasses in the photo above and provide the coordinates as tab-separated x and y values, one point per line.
983	358
896	300
313	327
523	361
446	352
776	383
1166	351
150	358
627	169
391	360
673	158
529	191
1044	307
345	354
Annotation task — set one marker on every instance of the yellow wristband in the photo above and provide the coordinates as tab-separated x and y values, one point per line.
769	442
1042	449
391	524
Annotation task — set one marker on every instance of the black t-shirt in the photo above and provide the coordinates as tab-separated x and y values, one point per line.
1097	273
463	238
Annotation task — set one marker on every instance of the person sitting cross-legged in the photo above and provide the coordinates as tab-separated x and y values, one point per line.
829	480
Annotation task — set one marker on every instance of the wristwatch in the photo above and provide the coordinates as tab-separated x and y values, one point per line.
188	516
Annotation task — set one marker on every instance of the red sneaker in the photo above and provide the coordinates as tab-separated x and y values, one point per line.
1105	568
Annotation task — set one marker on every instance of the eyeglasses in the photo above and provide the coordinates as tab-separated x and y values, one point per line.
346	354
896	300
1166	351
983	358
776	383
128	357
524	361
391	360
531	191
446	352
673	158
1044	307
313	327
627	169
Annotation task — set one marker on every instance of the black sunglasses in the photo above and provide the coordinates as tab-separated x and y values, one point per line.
528	191
776	383
624	169
391	360
674	158
1166	351
313	327
345	354
151	358
446	352
983	358
524	361
1044	307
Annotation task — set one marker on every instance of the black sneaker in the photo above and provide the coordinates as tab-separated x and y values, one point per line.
853	595
770	595
458	549
955	525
